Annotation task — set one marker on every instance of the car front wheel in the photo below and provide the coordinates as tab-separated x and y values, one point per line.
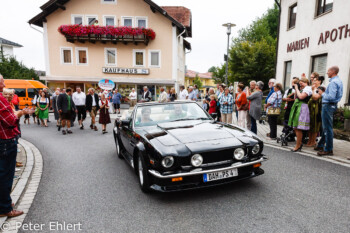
117	147
142	174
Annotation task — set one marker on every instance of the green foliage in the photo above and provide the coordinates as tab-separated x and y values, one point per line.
10	68
346	113
198	82
253	51
219	73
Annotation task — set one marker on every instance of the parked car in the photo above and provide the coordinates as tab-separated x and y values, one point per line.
177	146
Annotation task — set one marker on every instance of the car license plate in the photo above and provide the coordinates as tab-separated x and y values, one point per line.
220	175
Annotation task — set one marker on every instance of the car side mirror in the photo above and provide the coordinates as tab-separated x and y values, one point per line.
214	115
126	122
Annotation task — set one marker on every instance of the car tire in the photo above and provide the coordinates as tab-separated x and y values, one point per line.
142	174
117	147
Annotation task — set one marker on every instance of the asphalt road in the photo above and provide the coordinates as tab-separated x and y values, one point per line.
84	182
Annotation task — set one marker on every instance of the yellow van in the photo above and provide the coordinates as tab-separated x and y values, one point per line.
25	89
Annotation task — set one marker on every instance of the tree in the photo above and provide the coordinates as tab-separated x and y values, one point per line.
219	73
10	68
198	82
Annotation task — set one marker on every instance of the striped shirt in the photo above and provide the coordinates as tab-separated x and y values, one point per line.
227	108
8	120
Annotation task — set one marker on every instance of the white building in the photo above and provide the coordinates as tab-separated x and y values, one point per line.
7	46
314	35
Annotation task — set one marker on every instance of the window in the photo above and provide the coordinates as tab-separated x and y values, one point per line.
324	6
139	57
141	22
91	20
66	56
292	16
32	92
127	21
154	58
109	20
287	74
77	19
20	92
109	1
319	64
82	56
110	56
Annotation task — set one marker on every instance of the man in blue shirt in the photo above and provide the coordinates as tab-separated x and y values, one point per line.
192	94
116	99
330	99
271	84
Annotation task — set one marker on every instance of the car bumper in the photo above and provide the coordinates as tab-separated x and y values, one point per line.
194	179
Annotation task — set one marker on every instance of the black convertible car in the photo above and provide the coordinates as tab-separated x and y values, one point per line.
177	146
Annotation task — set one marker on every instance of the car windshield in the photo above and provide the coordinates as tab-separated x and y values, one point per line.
153	115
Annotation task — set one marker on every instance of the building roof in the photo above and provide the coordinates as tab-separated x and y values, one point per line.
183	14
193	74
7	42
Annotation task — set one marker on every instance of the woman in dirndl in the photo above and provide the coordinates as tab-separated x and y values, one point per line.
104	113
299	117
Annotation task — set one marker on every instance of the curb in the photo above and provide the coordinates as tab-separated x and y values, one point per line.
330	159
24	192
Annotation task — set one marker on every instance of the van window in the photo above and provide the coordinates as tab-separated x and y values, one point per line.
32	92
21	92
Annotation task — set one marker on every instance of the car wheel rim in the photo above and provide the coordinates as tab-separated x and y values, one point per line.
140	171
117	145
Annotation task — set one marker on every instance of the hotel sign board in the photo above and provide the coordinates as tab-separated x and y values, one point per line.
118	70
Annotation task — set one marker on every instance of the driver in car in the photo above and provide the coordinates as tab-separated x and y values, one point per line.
178	113
145	115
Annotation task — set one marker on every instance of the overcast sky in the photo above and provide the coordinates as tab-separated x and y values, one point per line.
209	39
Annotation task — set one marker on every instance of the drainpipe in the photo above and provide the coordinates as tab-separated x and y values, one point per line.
177	40
278	33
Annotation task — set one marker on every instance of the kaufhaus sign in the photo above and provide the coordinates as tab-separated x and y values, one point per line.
342	32
116	70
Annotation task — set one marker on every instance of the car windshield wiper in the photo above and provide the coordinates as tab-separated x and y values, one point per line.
191	119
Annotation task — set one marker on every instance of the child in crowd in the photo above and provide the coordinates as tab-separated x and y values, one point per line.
212	104
26	117
205	105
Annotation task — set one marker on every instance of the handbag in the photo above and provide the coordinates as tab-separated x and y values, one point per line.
274	111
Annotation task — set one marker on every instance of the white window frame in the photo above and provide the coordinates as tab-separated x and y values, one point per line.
62	55
134	51
90	16
141	17
73	17
128	17
109	16
150	59
106	57
77	49
111	3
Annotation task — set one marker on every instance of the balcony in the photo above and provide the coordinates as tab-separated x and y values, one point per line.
93	34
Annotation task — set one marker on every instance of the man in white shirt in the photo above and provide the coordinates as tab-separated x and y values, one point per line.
163	95
133	97
183	93
79	99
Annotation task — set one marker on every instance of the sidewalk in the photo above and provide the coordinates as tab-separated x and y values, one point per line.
341	148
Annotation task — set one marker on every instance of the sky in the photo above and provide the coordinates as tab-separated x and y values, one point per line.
209	38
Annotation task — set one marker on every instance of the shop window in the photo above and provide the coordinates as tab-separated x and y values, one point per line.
91	20
287	74
109	20
154	58
139	58
319	64
66	56
324	6
111	56
292	16
128	21
77	19
109	1
141	22
82	56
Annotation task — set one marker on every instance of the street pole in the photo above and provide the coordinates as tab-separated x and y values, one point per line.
228	26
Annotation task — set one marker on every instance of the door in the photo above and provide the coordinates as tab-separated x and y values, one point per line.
127	135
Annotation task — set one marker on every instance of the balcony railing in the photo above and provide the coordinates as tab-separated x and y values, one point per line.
93	34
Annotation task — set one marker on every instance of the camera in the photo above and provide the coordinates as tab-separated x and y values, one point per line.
297	85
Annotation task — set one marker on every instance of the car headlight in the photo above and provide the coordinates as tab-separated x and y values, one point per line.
239	154
197	160
168	161
256	149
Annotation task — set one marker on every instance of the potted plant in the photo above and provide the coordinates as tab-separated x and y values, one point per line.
347	118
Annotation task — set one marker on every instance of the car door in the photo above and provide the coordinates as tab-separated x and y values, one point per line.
126	135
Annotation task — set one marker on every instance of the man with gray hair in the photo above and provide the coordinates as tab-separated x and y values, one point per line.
147	95
192	95
271	84
330	99
163	95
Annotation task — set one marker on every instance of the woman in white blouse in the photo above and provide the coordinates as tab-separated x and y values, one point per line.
133	97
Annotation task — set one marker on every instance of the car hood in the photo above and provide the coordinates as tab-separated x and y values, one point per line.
197	136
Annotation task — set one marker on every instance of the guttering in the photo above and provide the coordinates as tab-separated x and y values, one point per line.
36	29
